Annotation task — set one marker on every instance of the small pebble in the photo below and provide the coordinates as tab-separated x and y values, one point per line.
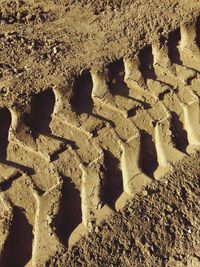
121	73
114	81
55	50
145	193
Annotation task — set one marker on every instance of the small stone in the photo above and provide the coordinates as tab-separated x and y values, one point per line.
114	81
55	50
145	193
169	208
121	73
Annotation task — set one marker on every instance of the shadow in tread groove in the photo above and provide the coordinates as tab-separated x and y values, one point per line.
21	167
146	63
179	134
42	107
70	215
116	73
5	122
81	100
5	185
198	31
173	42
148	155
19	245
113	185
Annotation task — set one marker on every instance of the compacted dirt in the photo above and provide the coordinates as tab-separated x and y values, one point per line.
99	133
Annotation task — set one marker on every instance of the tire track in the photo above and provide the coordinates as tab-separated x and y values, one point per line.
69	133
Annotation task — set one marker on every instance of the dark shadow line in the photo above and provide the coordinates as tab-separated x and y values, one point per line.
70	214
62	139
148	156
5	185
113	182
146	60
104	119
198	31
179	134
19	243
173	41
56	154
22	168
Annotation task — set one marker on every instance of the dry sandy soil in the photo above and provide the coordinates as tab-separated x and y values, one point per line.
99	133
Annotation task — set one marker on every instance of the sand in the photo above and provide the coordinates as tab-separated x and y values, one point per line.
99	133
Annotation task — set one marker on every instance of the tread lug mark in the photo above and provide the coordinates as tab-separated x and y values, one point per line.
189	51
91	194
7	183
133	76
21	234
119	88
116	84
146	63
49	147
173	42
92	203
39	118
164	69
188	35
110	90
36	124
180	134
113	186
6	220
20	132
167	154
158	89
47	208
81	100
6	172
185	74
133	177
67	103
9	170
62	99
69	215
160	56
148	155
102	95
192	125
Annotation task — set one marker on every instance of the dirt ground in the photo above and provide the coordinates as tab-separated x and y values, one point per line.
99	133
